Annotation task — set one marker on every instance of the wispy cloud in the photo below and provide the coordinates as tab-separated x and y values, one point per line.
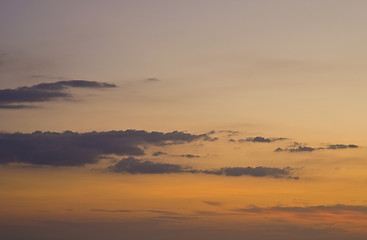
258	139
136	166
253	171
338	208
304	148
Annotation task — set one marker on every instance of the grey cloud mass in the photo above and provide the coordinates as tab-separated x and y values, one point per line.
44	92
77	149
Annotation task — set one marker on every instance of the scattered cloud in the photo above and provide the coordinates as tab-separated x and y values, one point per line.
77	149
260	139
44	92
338	208
341	146
298	149
188	156
159	153
311	149
135	166
253	171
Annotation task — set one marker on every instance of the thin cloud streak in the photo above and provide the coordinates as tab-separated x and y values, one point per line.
136	166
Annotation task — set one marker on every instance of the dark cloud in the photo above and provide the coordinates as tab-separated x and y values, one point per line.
45	92
188	156
260	139
308	209
298	149
341	146
135	166
311	149
76	149
159	153
252	171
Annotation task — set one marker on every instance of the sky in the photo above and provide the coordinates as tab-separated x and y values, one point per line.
183	119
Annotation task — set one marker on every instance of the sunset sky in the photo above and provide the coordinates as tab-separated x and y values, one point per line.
205	119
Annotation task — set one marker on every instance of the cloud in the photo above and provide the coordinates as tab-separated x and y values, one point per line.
77	149
159	153
311	149
134	166
44	92
188	156
297	149
338	208
260	139
341	146
252	171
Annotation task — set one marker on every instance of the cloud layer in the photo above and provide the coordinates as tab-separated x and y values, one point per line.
44	92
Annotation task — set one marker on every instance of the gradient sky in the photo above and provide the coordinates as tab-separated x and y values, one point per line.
245	119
